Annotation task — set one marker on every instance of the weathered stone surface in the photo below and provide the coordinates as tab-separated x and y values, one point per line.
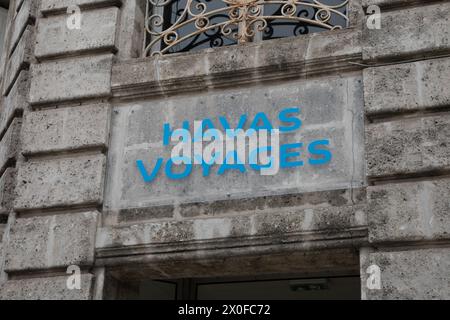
7	190
141	214
414	31
21	20
290	262
130	36
9	145
75	78
408	146
298	201
97	32
60	182
137	134
2	232
19	60
15	102
391	3
60	5
409	211
324	45
4	39
268	203
53	130
293	210
49	288
51	241
278	58
280	223
410	274
407	87
18	4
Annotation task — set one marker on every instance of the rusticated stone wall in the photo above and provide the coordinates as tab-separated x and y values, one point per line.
56	89
406	92
78	105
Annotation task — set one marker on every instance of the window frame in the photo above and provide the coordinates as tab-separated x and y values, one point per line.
256	33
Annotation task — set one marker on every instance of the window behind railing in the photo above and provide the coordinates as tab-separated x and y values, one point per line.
185	25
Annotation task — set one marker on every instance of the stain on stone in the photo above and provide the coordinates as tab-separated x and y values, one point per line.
138	214
334	198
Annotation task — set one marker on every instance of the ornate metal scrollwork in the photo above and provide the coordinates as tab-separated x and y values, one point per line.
182	25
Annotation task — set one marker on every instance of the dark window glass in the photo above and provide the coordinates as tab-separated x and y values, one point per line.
340	288
210	38
347	288
285	26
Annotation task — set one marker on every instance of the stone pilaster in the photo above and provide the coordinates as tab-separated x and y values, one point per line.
63	145
16	58
407	150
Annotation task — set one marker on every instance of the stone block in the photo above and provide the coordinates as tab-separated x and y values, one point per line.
7	190
419	30
55	241
407	87
334	43
15	102
53	130
46	288
9	145
76	78
48	6
97	32
416	274
60	182
20	59
24	16
408	146
410	211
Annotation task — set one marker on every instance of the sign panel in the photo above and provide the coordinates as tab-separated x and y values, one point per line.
320	143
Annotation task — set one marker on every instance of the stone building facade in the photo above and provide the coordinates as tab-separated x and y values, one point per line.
79	106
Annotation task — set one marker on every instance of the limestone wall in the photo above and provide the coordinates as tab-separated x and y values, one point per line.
79	107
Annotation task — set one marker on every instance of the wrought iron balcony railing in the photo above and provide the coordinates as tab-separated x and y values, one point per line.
184	25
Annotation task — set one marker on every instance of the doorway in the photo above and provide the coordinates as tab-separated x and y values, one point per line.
271	287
